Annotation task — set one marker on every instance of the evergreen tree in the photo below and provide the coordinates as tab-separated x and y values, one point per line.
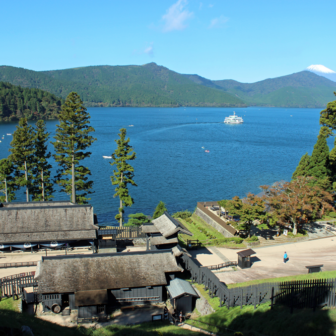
23	154
72	139
159	210
303	168
137	219
319	161
7	181
124	173
328	117
42	188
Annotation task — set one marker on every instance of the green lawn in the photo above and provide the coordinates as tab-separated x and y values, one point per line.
196	229
11	318
320	275
264	321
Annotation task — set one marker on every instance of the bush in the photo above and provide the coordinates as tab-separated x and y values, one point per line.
182	214
332	214
252	239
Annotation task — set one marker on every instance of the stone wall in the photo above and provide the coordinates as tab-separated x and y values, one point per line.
211	222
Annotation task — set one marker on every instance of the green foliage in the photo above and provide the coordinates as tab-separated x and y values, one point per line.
124	173
72	139
332	214
17	102
223	203
328	116
252	239
6	171
303	168
182	214
22	154
146	85
159	210
42	186
137	219
319	161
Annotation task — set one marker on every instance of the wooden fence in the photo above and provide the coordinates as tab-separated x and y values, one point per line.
18	264
13	287
122	232
295	294
219	266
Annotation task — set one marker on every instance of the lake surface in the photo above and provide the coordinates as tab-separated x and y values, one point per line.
171	164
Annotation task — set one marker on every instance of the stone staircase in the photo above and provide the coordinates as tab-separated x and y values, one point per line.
279	240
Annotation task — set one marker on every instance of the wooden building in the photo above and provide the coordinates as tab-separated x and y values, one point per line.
29	225
182	295
244	258
163	232
93	282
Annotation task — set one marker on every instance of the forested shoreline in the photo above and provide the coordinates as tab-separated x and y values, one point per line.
33	104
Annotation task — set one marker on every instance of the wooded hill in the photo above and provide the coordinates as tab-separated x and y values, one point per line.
301	89
147	85
33	104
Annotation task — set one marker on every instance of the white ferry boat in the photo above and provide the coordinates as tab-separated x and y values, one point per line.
233	119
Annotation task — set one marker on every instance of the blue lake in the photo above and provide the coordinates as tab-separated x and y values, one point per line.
171	164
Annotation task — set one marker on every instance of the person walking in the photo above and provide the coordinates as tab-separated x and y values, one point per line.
285	257
181	315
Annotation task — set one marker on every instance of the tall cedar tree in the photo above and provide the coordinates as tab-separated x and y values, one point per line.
332	165
23	154
72	139
328	116
159	210
319	160
303	168
124	174
298	200
42	188
7	181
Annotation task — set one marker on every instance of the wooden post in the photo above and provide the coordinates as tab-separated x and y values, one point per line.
6	190
272	297
315	298
291	299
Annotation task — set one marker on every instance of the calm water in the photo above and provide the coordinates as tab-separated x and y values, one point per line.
172	166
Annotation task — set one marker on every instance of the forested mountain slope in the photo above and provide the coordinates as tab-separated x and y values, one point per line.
33	104
147	85
302	89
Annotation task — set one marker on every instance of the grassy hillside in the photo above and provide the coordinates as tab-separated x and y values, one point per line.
33	104
147	85
302	89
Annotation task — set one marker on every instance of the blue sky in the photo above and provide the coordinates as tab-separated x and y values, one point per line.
218	39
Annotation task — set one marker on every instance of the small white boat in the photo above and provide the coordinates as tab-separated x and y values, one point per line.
130	125
107	157
233	119
9	133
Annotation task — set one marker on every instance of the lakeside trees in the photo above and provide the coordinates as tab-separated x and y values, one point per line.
72	139
159	210
7	181
124	173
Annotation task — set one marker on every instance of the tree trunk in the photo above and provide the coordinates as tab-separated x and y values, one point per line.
26	176
73	191
294	228
42	185
121	205
6	190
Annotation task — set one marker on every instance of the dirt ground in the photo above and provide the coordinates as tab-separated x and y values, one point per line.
268	261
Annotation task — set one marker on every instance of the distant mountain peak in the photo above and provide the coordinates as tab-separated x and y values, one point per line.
320	68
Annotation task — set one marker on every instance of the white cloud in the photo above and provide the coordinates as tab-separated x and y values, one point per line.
218	22
211	5
176	16
149	50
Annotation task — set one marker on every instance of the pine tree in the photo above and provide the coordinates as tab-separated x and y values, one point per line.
303	168
328	117
7	181
42	188
159	210
72	139
23	154
319	161
124	173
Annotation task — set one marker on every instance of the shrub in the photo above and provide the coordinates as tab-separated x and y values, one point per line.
182	214
332	214
252	239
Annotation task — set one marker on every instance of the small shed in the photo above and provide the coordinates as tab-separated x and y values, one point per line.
244	258
182	295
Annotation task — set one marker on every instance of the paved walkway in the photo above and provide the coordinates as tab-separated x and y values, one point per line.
215	250
268	261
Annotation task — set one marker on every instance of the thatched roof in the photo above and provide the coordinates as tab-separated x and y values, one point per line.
149	229
73	273
177	251
46	221
162	240
91	297
166	224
